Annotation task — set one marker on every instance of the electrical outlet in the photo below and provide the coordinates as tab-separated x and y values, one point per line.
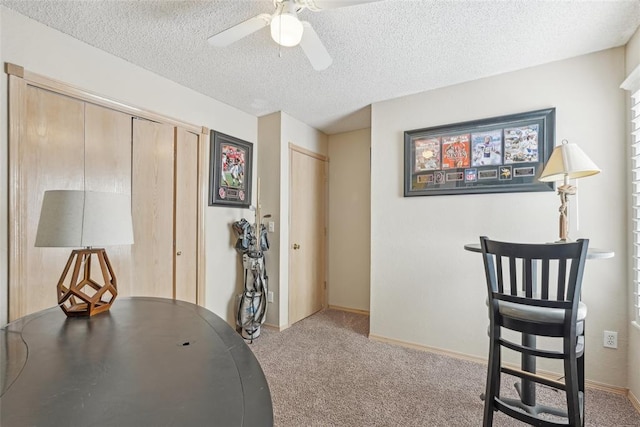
610	339
270	296
272	226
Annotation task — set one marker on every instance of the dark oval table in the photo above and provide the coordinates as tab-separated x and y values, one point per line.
146	362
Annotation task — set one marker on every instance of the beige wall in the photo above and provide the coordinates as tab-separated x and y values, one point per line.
269	174
349	219
276	132
425	289
632	62
43	50
632	59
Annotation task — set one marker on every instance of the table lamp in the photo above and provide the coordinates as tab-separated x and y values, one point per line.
75	218
567	161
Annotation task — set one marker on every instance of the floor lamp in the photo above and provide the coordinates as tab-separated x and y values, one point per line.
567	162
85	219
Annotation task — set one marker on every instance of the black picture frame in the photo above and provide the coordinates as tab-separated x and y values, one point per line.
495	155
230	169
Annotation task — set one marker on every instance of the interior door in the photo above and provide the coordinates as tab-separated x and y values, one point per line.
307	234
152	199
186	216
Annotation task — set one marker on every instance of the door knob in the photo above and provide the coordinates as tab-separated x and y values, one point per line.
296	246
179	253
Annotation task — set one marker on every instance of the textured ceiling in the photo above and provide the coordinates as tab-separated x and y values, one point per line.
380	50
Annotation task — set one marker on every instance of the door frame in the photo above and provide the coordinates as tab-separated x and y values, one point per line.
325	159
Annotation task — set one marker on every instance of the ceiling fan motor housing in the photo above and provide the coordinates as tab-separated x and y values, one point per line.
286	28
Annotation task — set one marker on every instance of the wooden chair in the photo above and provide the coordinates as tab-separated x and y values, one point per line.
534	289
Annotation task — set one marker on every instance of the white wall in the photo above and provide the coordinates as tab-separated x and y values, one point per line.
349	219
45	51
425	289
276	132
633	61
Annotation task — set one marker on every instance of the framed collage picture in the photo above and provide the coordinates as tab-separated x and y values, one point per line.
230	171
495	155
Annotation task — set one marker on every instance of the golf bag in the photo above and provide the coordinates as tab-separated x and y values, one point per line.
252	302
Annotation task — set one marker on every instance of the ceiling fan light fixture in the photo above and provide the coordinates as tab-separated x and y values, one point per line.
286	28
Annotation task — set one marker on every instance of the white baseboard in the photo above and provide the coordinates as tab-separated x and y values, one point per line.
483	361
349	310
634	400
435	350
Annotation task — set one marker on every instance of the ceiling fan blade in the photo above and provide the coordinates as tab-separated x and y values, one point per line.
314	49
243	29
317	5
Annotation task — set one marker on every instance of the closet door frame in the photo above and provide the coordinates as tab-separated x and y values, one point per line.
19	79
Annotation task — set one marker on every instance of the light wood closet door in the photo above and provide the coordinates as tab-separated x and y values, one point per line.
52	156
67	144
152	199
61	142
108	166
186	215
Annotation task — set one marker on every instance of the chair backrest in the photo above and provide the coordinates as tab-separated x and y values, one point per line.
542	275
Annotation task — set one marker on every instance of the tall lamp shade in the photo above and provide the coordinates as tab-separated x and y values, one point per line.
566	162
85	219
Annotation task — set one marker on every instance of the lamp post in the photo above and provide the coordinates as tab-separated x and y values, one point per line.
567	161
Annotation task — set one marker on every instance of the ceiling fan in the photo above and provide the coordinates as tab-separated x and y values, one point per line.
286	29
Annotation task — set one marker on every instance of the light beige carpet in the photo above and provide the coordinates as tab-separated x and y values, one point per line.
324	371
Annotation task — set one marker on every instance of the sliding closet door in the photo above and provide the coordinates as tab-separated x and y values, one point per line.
152	199
186	215
108	169
51	156
64	144
61	138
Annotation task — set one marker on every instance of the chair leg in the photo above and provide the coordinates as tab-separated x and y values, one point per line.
572	381
581	388
493	378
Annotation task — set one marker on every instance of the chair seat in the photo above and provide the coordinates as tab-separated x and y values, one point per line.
538	314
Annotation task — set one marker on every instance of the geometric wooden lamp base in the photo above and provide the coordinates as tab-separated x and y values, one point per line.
84	296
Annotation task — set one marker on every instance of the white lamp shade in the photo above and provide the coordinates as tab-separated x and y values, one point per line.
568	160
73	218
286	28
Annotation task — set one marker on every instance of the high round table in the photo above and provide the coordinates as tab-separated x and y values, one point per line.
146	362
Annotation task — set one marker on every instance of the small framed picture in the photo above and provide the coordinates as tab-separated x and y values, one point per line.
230	171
